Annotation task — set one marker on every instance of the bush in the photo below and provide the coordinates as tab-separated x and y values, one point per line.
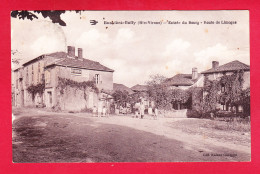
224	114
193	114
56	108
88	110
230	114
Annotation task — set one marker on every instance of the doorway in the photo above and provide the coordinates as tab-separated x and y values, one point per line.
50	98
22	98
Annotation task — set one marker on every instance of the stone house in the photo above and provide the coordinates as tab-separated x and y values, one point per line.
216	72
195	81
139	88
48	69
184	82
121	87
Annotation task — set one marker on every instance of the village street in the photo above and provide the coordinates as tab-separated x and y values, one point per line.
45	136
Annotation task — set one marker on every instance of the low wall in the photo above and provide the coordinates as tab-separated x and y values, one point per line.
174	113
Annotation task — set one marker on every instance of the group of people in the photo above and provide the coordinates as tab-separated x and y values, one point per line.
100	111
139	112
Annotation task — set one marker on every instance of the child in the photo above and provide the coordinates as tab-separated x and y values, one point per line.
99	110
136	113
104	111
94	111
142	110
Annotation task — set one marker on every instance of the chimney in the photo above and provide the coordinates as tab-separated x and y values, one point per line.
215	64
80	53
71	51
194	73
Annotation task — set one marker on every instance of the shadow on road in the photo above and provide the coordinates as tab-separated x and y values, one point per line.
74	139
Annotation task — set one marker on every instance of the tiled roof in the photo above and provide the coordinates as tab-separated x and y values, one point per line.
139	88
85	63
109	92
231	66
181	80
58	54
121	87
75	62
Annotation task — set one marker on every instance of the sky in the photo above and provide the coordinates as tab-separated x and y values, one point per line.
136	52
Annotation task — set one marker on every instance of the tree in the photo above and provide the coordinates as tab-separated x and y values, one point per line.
212	96
233	85
245	101
156	80
158	92
228	89
164	97
121	98
181	96
53	15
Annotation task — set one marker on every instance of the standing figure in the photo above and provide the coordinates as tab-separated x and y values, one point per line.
136	112
104	111
150	111
155	113
142	110
94	111
99	109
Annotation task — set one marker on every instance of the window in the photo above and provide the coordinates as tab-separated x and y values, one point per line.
223	88
48	77
39	67
39	75
223	106
27	76
240	108
42	79
32	74
50	97
97	78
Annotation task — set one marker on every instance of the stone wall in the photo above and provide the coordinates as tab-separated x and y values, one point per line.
173	113
246	80
75	99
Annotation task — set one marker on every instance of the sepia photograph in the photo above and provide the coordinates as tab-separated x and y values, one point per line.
130	86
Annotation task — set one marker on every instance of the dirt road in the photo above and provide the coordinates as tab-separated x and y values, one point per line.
40	136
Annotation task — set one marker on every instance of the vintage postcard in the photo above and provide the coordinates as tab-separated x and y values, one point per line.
130	86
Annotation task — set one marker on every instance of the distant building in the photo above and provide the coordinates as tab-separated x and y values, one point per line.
121	87
196	81
47	69
184	82
140	88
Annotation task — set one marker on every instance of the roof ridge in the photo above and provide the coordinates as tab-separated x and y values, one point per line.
87	64
230	66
